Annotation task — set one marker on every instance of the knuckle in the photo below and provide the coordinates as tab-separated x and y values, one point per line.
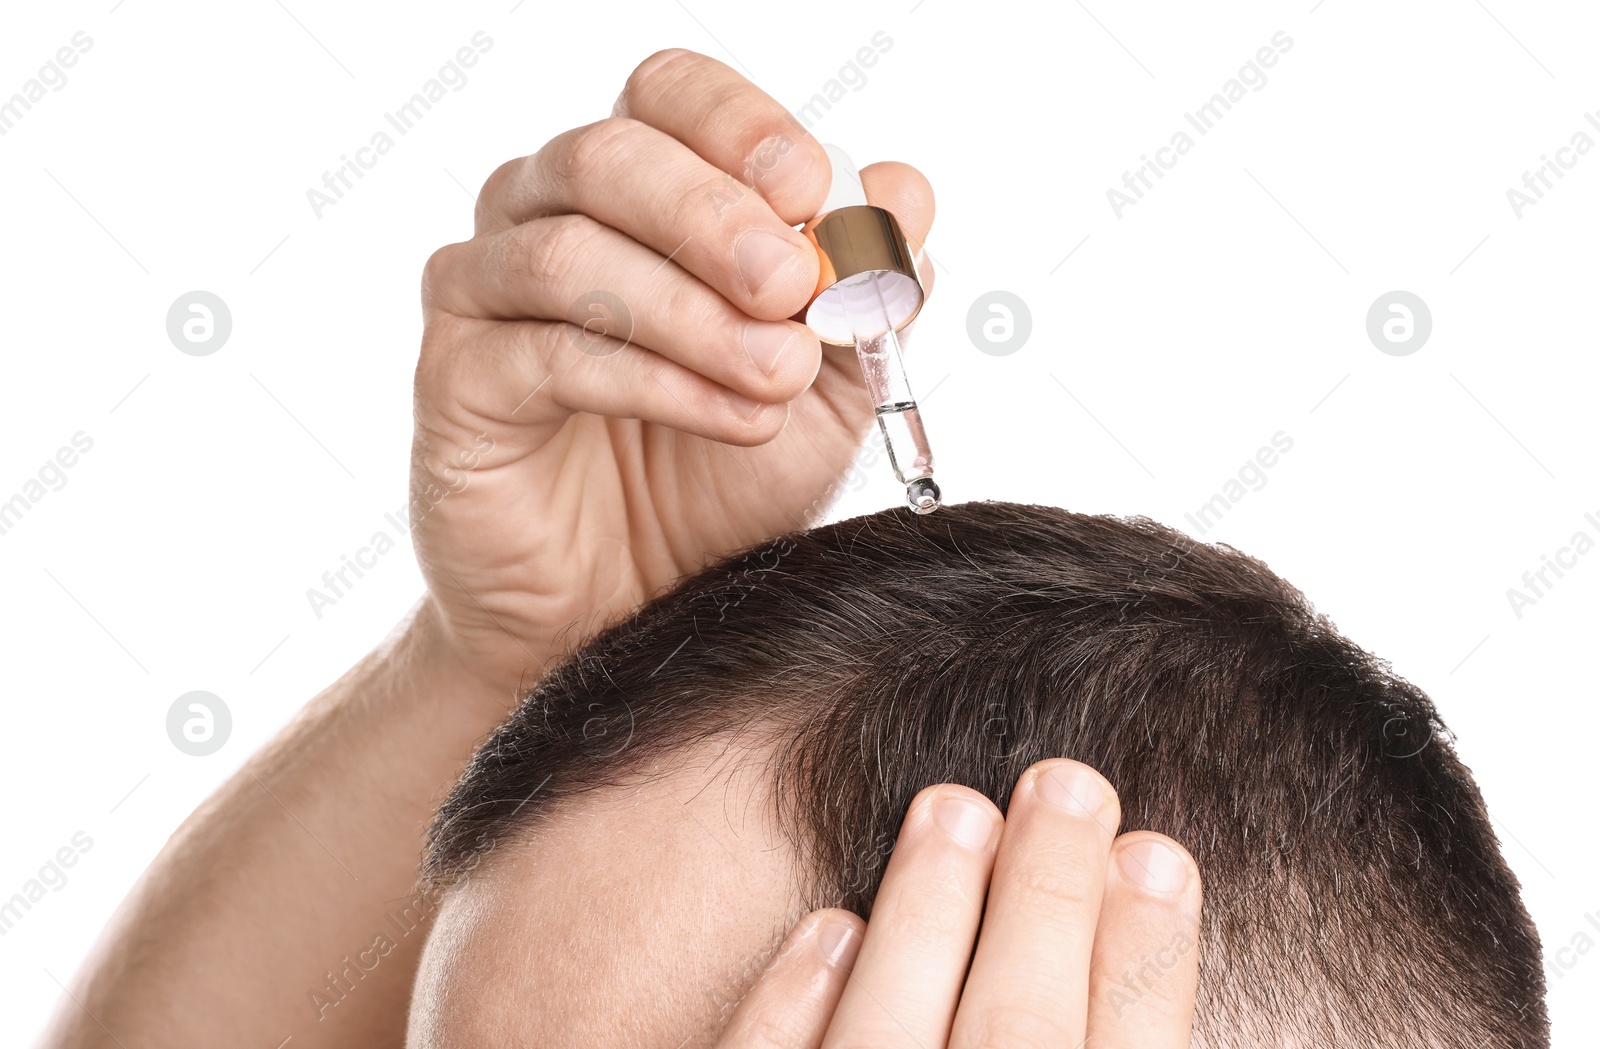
776	142
664	64
702	210
1006	1025
794	370
430	360
547	343
694	311
440	337
728	108
550	250
592	151
494	186
741	113
1057	887
434	272
934	915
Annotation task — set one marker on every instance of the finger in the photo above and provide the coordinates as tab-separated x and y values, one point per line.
1146	958
535	374
640	180
904	191
906	982
1029	983
733	125
790	1005
572	268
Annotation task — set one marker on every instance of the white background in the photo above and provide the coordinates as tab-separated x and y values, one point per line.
1227	305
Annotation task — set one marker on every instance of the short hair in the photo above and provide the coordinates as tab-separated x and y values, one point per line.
1355	892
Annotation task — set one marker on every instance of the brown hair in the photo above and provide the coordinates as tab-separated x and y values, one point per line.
1355	893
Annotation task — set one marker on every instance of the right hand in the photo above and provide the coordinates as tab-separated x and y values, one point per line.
560	477
1073	913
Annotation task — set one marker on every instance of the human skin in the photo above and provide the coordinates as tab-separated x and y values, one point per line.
555	489
647	914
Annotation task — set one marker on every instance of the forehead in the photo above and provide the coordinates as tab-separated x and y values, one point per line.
633	916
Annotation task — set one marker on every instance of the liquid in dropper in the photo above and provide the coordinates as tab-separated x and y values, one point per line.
899	419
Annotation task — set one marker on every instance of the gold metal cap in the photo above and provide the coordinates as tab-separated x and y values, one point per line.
867	272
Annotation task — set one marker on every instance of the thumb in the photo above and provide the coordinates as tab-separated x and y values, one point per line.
903	191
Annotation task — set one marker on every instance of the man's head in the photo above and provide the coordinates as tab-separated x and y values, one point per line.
625	850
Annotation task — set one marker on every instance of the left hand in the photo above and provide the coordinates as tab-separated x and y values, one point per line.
1087	935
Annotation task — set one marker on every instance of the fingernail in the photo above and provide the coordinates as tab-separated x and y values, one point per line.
1153	864
744	406
1073	788
761	254
964	821
839	942
764	344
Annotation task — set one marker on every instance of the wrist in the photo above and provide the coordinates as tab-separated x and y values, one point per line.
424	660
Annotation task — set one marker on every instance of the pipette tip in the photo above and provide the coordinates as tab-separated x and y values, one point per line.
923	495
